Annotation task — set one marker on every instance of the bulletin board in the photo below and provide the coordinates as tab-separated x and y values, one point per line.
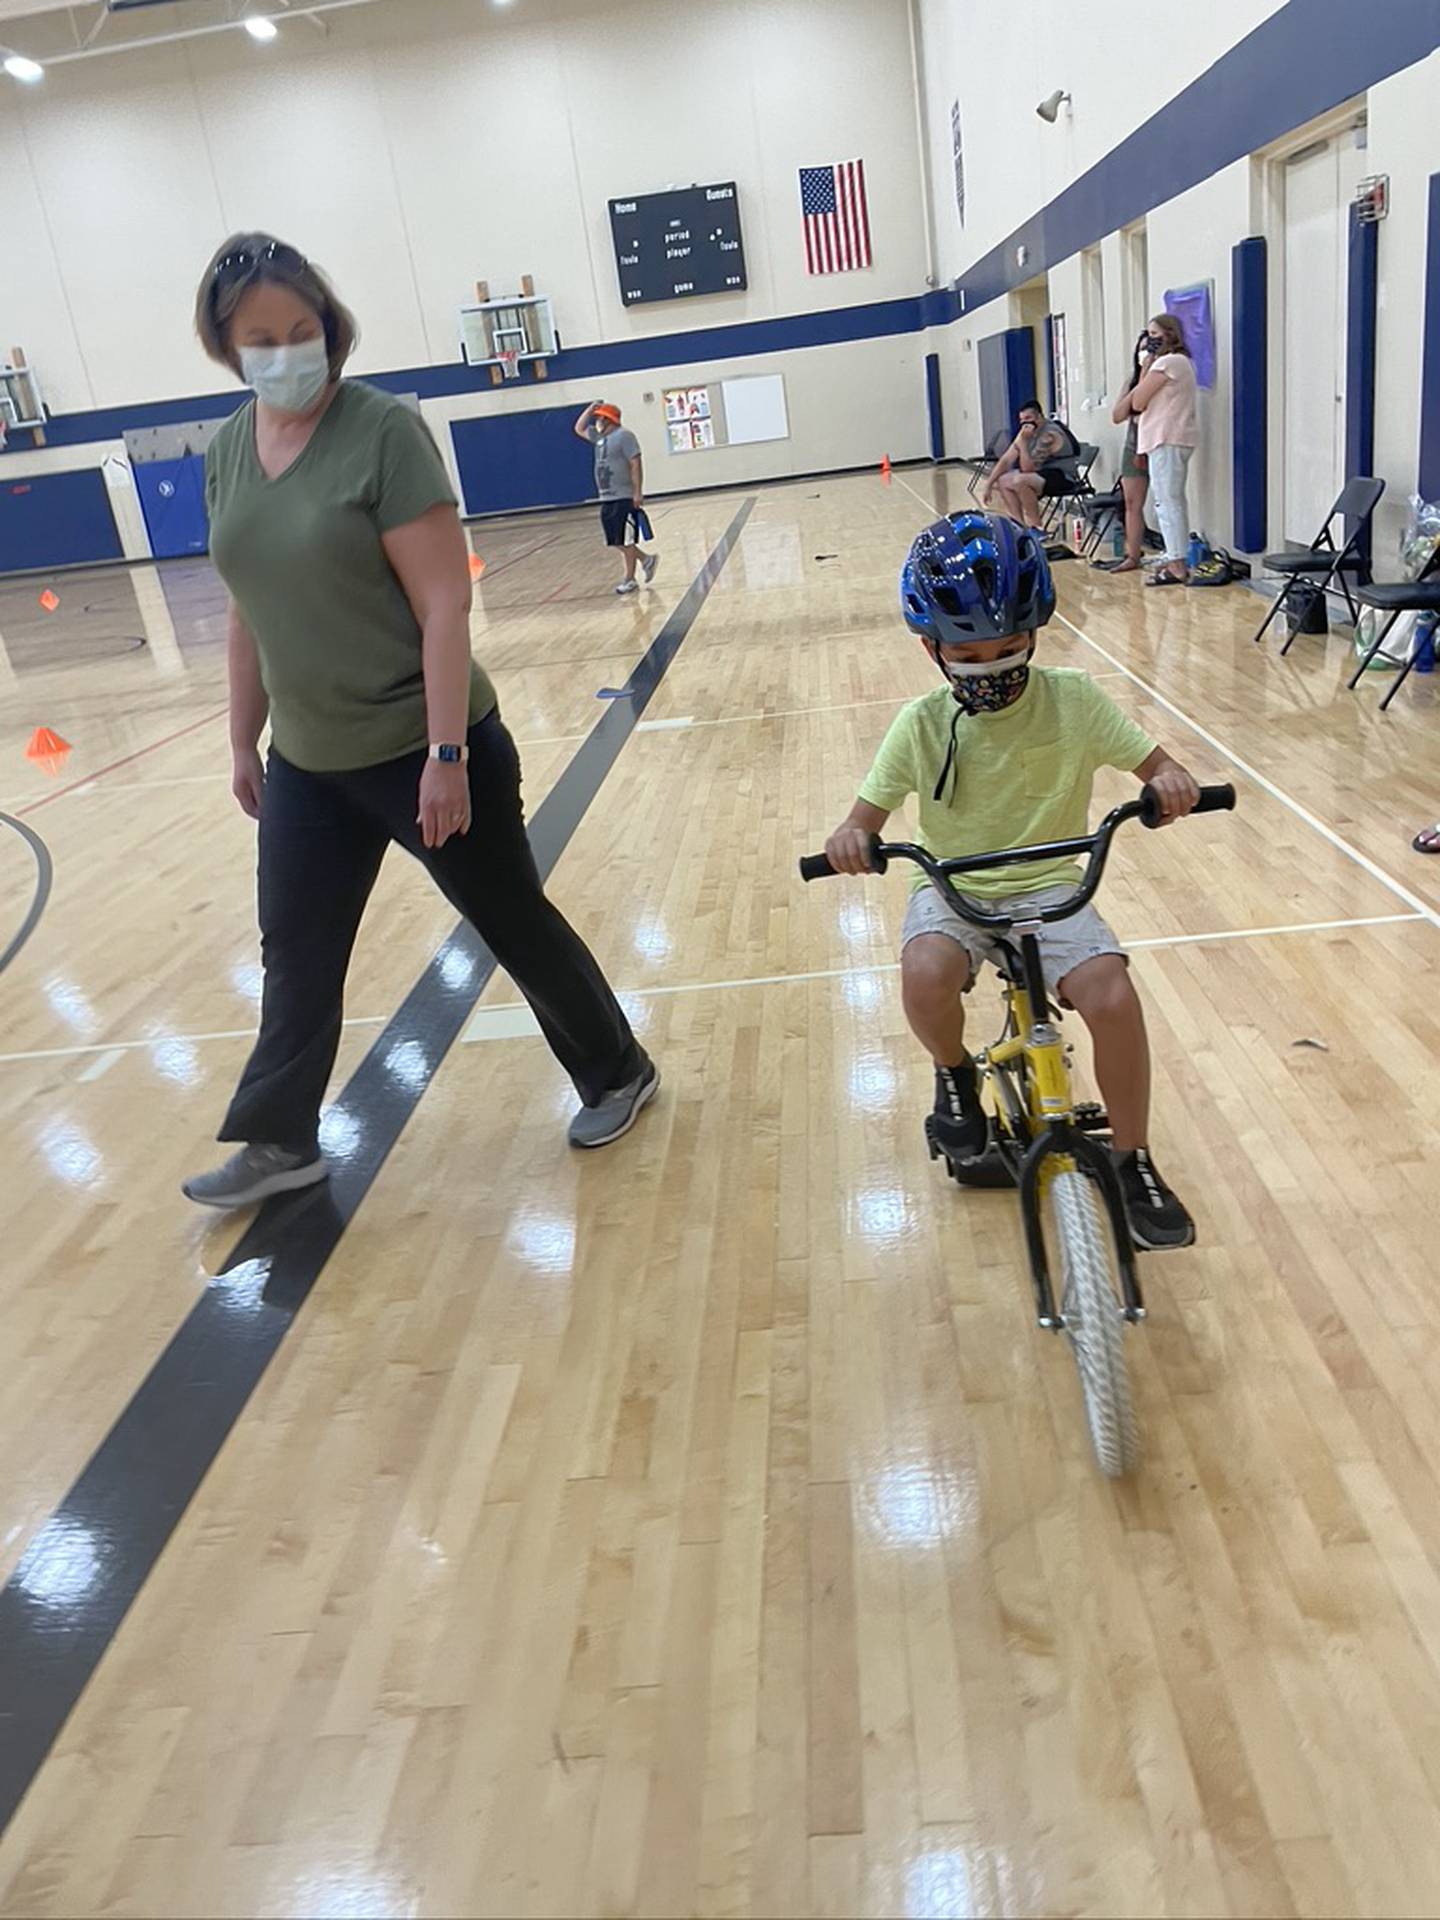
726	413
690	419
1194	308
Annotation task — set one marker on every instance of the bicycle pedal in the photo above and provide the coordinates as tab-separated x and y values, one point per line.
1090	1117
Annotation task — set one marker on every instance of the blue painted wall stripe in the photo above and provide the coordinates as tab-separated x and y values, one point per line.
935	406
1305	59
833	327
1361	285
1430	361
1250	403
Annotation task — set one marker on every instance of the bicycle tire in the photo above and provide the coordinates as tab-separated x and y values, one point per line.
1091	1311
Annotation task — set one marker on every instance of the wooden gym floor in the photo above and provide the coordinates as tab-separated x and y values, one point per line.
704	1527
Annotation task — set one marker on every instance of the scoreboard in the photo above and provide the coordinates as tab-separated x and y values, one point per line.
672	245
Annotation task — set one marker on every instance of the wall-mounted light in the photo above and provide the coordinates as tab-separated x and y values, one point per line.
19	68
1049	108
259	27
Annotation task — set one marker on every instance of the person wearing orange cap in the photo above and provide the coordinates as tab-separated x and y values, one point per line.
620	483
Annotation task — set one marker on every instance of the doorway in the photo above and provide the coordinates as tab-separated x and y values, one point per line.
1318	183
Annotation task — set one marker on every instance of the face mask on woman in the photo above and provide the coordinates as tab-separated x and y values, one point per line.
289	379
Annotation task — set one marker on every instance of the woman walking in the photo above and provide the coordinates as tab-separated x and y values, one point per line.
334	527
1134	475
1164	398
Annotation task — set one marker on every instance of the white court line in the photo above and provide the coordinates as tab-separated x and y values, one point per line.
102	1065
116	1047
1421	908
893	966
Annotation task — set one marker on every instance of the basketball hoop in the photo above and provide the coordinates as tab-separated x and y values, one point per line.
510	365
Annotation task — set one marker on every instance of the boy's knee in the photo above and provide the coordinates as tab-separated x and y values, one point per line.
933	966
1101	989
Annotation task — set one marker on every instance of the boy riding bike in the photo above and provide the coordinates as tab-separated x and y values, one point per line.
1005	755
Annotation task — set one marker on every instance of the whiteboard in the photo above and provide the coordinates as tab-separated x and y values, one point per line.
755	408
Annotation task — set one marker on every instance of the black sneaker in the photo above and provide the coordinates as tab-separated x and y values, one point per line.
1157	1218
958	1125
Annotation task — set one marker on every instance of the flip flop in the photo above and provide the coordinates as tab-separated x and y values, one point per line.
1432	834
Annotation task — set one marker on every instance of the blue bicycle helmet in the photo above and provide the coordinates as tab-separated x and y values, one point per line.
976	576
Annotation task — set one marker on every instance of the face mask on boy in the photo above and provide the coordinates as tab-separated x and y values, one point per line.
988	686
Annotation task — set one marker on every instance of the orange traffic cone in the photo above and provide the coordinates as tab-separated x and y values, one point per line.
49	601
477	566
885	468
47	750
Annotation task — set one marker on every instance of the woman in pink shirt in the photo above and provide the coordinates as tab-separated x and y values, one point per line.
1165	403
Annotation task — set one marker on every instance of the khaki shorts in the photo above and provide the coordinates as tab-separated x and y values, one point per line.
1063	947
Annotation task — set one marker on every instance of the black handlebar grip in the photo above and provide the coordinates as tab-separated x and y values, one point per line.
816	866
1212	800
1215	800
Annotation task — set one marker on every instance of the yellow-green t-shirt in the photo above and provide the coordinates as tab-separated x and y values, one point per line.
1020	777
339	645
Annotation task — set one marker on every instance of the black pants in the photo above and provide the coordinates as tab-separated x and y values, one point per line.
322	838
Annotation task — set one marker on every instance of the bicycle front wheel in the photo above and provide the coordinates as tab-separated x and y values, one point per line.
1090	1306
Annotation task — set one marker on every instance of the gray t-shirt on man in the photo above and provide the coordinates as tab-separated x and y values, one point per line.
613	453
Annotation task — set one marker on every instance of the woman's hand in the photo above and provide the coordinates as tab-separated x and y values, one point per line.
247	782
444	801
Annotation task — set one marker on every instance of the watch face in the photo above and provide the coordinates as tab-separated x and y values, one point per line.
448	753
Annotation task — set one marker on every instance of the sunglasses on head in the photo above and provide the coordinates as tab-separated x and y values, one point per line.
233	267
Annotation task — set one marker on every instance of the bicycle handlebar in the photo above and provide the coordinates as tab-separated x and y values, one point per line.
1147	809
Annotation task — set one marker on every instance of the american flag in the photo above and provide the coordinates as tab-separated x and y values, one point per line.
837	217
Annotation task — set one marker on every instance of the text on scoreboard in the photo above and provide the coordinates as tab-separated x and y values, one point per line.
669	246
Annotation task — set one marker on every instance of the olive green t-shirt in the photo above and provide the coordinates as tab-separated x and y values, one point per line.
339	646
1021	776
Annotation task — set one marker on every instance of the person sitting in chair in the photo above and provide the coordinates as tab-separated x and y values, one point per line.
1041	463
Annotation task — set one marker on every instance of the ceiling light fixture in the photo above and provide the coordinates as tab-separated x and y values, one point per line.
19	68
260	28
1049	108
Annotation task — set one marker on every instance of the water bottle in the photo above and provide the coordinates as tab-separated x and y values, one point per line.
1195	553
1425	643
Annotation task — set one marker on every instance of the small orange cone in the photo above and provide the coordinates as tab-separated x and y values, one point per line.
885	468
477	566
47	750
49	601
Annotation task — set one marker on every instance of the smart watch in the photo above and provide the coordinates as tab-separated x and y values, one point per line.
452	756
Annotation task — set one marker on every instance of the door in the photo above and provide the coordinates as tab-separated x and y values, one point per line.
1319	184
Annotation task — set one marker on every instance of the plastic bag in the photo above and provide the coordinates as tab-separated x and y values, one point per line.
1398	642
1419	537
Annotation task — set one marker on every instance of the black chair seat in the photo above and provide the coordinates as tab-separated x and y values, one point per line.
1312	563
1400	596
1097	503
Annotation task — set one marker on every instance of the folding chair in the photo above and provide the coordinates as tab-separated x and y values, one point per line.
994	447
1323	561
1101	512
1420	595
1078	488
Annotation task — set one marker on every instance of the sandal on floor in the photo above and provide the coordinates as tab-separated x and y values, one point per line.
1430	835
1162	579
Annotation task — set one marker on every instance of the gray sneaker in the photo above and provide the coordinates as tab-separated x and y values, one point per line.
619	1110
628	586
254	1174
649	562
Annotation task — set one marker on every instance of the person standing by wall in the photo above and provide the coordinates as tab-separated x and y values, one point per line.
334	527
620	483
1134	475
1168	434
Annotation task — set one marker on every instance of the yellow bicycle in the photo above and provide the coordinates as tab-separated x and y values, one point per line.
1042	1140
